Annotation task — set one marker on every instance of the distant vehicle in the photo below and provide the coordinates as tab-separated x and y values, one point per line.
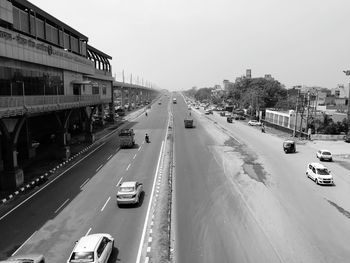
347	138
127	138
227	114
241	117
197	107
222	114
120	111
160	103
324	155
229	119
30	258
236	117
188	123
207	112
254	123
174	101
319	173
129	193
92	248
289	146
189	108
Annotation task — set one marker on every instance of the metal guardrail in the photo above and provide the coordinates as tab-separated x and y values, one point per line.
18	105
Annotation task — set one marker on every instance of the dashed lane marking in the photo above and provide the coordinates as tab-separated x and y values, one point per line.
83	184
134	156
109	198
53	180
109	157
119	181
127	168
61	205
98	168
88	232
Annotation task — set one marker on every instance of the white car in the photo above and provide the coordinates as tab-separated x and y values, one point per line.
129	193
32	258
254	123
324	155
92	248
319	173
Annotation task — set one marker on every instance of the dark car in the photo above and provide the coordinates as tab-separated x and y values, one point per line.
222	114
289	146
347	138
229	119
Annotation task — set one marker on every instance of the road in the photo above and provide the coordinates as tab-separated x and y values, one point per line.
240	198
82	200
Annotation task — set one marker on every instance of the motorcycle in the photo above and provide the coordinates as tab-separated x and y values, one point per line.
146	114
147	139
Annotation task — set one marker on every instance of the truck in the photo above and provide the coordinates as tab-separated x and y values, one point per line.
174	101
188	123
126	138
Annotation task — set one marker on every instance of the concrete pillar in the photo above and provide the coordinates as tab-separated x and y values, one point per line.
12	176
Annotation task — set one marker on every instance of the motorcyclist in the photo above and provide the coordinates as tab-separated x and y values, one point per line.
263	128
146	114
147	138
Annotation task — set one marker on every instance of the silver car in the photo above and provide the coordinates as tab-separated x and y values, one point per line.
129	193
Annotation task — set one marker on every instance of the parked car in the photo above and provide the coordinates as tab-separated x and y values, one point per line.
241	117
319	173
129	193
347	138
323	155
207	112
254	123
92	248
30	258
222	114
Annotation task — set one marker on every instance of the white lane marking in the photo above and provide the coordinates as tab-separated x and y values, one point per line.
109	157
61	206
127	168
14	253
98	168
83	184
119	181
134	156
53	180
88	231
138	258
139	148
109	198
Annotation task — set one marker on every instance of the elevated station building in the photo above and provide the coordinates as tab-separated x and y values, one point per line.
51	80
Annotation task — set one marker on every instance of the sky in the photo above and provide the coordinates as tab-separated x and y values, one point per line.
179	44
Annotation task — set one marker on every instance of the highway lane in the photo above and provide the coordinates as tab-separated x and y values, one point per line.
256	204
71	206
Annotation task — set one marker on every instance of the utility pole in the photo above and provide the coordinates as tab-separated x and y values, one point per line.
307	113
296	115
347	73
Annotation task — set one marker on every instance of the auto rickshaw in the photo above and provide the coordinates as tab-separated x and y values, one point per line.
289	146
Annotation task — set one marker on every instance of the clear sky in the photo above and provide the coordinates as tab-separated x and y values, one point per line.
178	44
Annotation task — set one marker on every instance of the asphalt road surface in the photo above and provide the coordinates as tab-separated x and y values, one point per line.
240	198
83	200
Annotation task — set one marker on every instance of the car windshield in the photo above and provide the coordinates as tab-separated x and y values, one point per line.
322	171
82	257
127	189
326	153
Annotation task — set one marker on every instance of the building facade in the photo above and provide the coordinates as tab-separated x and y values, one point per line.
48	74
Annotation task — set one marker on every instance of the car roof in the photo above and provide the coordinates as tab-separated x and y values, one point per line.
289	141
20	258
318	165
88	243
128	184
323	150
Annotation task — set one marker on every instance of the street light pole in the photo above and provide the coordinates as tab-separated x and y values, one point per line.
347	73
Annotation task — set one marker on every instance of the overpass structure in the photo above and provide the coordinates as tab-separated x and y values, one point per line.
52	84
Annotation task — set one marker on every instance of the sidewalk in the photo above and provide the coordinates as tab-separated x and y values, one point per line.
44	166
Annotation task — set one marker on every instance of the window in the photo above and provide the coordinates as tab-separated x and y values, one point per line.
95	90
102	246
104	90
